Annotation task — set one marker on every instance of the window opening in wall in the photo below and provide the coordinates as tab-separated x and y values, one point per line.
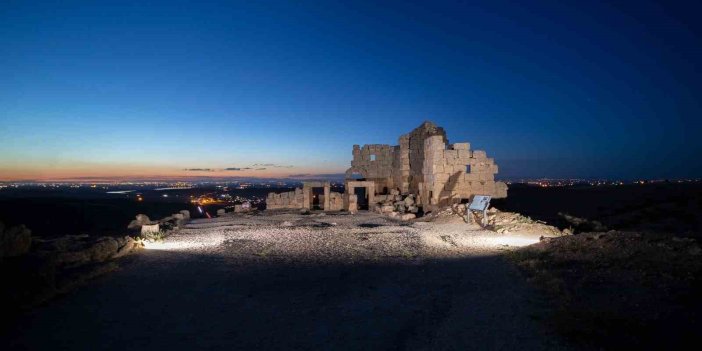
372	157
467	168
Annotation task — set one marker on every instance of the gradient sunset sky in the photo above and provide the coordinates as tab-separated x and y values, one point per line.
177	89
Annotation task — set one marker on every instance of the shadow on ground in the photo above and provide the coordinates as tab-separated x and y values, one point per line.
167	300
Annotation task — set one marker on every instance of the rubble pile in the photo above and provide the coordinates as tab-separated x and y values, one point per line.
396	205
511	222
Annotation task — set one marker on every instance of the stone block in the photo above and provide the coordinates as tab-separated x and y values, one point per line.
150	228
479	155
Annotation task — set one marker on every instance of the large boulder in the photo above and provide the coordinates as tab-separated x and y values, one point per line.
87	251
150	229
409	201
127	246
78	250
407	216
185	213
14	241
387	208
141	219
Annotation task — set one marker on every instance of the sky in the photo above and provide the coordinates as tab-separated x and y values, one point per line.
274	88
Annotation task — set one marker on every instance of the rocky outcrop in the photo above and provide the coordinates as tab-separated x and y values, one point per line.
77	250
14	241
37	269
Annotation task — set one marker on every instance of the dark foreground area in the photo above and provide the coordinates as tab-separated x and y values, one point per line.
620	290
211	305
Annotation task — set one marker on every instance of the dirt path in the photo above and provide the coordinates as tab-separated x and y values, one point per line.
299	282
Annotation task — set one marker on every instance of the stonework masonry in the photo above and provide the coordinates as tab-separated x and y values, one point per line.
423	165
304	198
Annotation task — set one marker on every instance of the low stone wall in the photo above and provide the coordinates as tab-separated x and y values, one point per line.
290	199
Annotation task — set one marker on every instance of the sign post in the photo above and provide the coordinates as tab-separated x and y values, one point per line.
481	203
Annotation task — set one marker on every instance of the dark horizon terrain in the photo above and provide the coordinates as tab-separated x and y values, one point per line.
670	207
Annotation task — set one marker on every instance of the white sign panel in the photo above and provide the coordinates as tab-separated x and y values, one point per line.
480	203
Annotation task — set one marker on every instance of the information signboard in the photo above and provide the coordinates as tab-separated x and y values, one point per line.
480	203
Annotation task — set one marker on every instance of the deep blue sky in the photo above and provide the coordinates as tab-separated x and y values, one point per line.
552	89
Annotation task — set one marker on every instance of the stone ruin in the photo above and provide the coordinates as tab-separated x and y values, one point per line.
423	171
306	199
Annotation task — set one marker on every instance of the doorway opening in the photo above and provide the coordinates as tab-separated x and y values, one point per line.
362	196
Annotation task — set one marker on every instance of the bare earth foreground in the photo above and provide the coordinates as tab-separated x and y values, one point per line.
291	281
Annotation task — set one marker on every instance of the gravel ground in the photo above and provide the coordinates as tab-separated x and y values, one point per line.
288	281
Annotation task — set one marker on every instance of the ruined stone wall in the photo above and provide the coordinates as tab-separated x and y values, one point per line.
290	199
455	172
336	201
375	162
415	151
401	165
423	164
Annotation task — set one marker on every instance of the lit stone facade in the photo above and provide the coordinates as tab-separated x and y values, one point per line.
425	164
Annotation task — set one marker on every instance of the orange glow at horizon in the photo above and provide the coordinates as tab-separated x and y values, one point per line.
86	172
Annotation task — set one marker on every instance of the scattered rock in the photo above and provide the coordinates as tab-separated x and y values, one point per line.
510	222
245	207
408	216
221	212
583	224
387	209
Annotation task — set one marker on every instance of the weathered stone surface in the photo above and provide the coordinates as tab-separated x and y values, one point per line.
387	208
425	165
185	213
14	241
150	229
409	201
240	208
407	216
80	252
141	219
